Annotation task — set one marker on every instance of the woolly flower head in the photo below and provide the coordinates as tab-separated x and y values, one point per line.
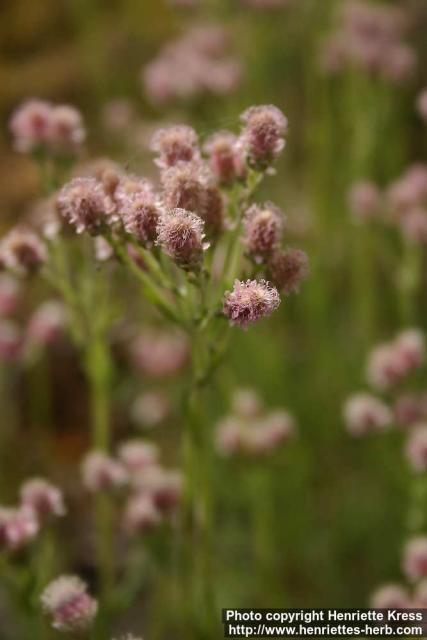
38	124
263	134
180	234
225	158
249	302
22	250
70	607
175	144
288	269
83	204
140	214
263	229
364	414
43	497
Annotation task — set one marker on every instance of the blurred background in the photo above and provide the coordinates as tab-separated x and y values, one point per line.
322	522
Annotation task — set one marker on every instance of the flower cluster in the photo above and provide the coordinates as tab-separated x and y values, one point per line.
40	500
250	430
196	64
370	37
39	125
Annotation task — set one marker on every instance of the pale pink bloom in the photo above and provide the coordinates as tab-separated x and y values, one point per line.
422	104
390	596
246	404
279	427
409	191
141	514
18	527
416	448
100	472
415	558
410	349
226	161
165	486
180	233
127	187
151	408
263	134
288	269
159	354
140	214
410	409
174	144
69	605
22	251
385	367
229	437
84	204
10	294
364	201
66	130
48	323
365	414
420	595
30	125
263	227
137	455
43	497
11	341
249	302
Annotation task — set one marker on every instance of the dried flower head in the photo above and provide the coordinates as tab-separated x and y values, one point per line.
249	302
141	515
175	144
83	203
69	605
364	414
390	596
263	134
43	497
288	269
415	558
22	250
263	230
18	527
416	448
102	473
180	234
48	323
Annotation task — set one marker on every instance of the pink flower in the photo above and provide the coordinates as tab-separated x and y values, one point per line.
48	323
44	498
151	408
137	455
83	203
225	159
263	134
180	234
416	448
69	605
263	230
288	269
141	515
140	214
18	527
10	294
366	414
249	302
178	143
21	250
390	596
415	558
102	473
410	349
159	354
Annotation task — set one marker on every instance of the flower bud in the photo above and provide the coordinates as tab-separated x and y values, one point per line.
262	137
22	251
48	322
137	455
83	203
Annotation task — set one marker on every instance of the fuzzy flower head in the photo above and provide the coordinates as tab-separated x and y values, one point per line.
18	527
140	214
102	473
365	414
180	234
263	230
69	605
416	448
43	497
415	558
288	269
225	158
141	515
263	135
175	144
84	204
249	302
22	250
